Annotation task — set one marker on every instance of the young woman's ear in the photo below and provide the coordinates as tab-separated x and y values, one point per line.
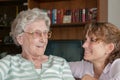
110	48
20	39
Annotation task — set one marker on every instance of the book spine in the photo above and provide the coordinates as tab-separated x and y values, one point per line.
54	16
83	15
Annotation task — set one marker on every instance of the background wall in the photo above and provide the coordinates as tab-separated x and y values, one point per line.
114	12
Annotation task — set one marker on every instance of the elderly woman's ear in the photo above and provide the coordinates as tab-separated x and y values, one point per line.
20	39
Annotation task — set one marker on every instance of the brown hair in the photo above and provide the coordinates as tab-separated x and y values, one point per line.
108	33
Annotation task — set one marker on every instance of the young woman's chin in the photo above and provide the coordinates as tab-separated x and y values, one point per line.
86	57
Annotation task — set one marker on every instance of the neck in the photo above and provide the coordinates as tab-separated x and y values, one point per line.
36	60
98	69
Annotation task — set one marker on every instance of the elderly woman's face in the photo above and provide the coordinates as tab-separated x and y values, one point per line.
96	51
35	38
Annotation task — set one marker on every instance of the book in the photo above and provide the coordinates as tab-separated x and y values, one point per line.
67	16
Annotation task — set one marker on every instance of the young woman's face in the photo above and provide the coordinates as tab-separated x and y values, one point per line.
95	50
35	38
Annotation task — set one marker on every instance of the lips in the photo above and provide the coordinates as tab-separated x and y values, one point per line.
87	52
40	46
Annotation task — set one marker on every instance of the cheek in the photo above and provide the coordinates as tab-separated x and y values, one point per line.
28	42
38	41
99	49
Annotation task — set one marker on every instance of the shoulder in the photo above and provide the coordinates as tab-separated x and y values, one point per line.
78	68
9	59
80	63
6	62
116	63
6	58
115	67
117	60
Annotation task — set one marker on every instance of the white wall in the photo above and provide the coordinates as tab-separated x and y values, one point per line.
114	12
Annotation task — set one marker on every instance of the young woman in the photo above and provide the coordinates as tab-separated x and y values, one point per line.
101	55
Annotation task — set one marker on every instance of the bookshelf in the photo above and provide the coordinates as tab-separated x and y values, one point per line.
8	11
71	30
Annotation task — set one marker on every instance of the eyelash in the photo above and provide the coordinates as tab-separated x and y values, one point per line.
93	40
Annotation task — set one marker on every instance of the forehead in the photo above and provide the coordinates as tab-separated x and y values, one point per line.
36	25
91	35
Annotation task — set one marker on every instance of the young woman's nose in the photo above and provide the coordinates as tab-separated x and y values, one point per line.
85	44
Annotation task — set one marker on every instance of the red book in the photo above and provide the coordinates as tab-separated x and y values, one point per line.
59	15
83	15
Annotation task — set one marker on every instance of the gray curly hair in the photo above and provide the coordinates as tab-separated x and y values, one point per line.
26	17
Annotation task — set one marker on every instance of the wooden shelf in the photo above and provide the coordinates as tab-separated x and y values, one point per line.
68	25
50	0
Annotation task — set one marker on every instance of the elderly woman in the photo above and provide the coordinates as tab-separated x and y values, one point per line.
30	30
102	53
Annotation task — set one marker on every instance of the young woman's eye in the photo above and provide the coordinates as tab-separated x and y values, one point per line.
93	40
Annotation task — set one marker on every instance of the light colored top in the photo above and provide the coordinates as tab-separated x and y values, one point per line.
18	68
111	71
